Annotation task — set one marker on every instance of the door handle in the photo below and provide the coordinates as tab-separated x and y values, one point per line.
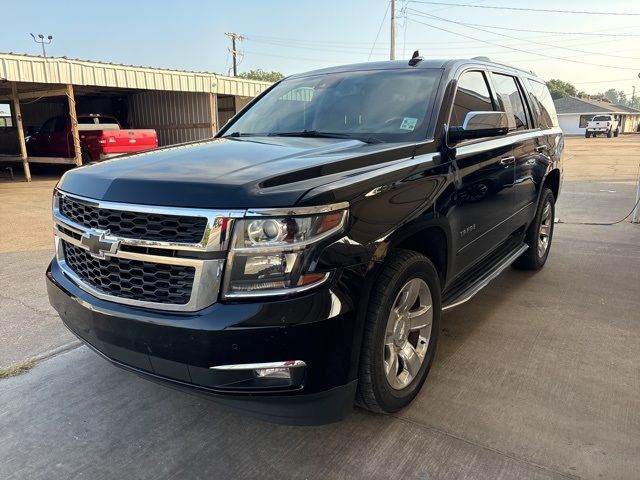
541	148
507	161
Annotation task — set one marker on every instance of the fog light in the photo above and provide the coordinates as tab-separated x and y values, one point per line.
283	372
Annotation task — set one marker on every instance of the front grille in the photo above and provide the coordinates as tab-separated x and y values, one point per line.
132	279
138	225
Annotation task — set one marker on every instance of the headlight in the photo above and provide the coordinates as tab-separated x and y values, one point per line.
272	253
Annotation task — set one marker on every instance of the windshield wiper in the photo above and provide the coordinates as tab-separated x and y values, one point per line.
240	134
319	134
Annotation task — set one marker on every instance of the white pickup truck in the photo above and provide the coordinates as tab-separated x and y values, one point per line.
606	124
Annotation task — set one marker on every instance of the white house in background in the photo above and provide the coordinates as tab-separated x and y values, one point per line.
574	113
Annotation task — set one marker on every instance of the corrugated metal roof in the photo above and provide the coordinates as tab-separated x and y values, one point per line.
61	70
569	105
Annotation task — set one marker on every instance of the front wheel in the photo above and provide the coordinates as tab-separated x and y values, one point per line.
401	333
587	134
616	132
539	234
610	133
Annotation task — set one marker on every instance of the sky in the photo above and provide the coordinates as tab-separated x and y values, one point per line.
297	36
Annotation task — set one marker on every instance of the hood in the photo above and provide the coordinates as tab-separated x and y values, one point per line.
255	172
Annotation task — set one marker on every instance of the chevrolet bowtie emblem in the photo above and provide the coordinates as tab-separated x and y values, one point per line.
99	243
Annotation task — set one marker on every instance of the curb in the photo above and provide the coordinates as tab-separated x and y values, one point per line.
56	351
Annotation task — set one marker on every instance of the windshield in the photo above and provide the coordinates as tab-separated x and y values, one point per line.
376	105
601	118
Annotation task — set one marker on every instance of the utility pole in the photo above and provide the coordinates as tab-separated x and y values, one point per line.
42	41
392	53
633	95
234	51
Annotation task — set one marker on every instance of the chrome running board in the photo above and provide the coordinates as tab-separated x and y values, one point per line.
483	280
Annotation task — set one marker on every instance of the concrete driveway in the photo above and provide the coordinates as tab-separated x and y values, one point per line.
537	377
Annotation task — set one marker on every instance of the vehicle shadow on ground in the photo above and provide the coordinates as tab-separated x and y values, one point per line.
109	423
461	323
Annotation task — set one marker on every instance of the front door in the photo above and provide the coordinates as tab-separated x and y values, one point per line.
485	174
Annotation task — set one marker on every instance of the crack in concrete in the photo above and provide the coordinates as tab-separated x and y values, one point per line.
27	306
491	449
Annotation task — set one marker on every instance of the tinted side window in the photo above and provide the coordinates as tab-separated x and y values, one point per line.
472	95
543	103
510	100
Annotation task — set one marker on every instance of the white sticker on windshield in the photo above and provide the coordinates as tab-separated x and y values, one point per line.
408	123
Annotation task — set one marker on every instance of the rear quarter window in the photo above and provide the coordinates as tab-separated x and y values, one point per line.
542	103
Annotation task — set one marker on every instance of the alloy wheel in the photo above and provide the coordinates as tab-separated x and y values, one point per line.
544	232
407	333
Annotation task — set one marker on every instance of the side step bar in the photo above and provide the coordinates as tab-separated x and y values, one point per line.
484	279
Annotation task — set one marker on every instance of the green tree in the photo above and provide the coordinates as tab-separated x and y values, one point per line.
262	75
559	89
611	95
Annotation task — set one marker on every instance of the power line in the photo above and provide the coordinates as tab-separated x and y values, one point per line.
522	9
550	32
353	45
386	11
312	59
468	25
519	49
606	81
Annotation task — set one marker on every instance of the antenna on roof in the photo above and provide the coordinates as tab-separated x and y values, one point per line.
482	59
415	59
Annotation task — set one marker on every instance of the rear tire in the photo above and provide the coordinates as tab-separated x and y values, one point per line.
617	132
587	134
539	234
400	334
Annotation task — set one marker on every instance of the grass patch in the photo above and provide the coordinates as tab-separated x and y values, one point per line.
16	369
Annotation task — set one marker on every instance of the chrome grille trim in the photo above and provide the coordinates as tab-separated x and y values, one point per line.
208	271
213	239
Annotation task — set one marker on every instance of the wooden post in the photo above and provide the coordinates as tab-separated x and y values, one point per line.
213	113
23	144
74	125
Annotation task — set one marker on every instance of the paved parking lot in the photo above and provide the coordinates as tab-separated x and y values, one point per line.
537	377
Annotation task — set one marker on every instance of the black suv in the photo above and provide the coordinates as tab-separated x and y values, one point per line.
301	260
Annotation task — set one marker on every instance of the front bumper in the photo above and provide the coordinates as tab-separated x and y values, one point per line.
179	349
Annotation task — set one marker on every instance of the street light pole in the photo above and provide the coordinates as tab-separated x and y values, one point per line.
42	41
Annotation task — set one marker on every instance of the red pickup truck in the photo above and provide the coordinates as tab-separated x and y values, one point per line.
100	137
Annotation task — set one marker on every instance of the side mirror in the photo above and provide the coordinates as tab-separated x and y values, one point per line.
480	125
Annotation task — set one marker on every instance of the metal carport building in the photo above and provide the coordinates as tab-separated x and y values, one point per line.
180	105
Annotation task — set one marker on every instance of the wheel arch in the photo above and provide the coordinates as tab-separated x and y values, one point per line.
552	182
431	240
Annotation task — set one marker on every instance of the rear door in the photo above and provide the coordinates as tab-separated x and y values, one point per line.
39	142
528	146
546	140
485	173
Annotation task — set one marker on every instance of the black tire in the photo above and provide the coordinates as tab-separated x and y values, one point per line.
532	259
86	157
586	135
609	133
617	132
374	390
